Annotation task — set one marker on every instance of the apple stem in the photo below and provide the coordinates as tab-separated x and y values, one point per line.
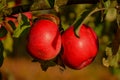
77	24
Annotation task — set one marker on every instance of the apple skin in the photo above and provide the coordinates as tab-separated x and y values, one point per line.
2	38
79	52
44	42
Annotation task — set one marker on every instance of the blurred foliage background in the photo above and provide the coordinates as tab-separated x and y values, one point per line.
18	64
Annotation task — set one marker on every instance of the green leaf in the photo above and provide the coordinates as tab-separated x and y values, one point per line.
2	4
85	15
35	60
23	24
3	31
111	60
46	64
107	4
77	24
111	14
118	20
1	53
12	24
51	3
49	63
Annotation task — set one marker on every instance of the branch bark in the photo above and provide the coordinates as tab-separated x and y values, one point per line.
18	9
26	8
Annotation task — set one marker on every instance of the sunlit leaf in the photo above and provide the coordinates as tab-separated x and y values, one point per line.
1	53
115	71
0	76
8	44
23	24
111	14
2	4
107	4
40	4
59	62
111	60
61	2
99	29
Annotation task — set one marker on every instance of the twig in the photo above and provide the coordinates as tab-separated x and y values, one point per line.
26	8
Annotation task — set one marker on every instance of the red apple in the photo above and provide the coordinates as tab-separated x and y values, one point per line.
2	38
44	42
79	52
